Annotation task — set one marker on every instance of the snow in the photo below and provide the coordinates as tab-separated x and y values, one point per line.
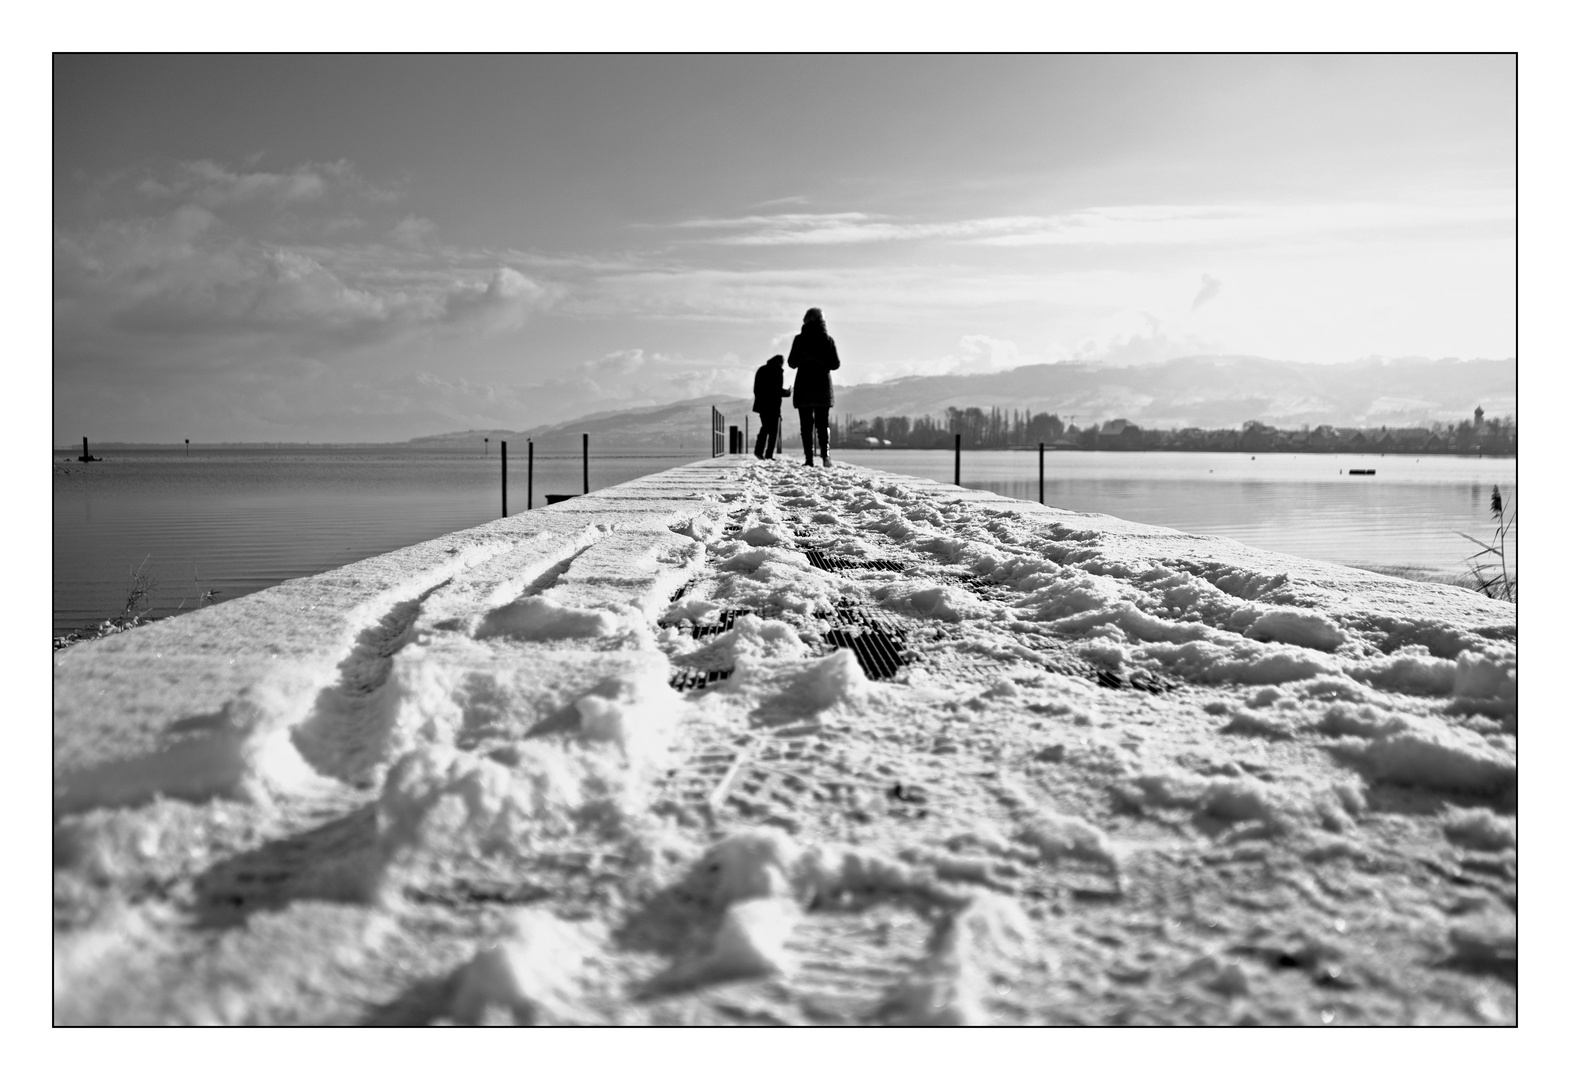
538	618
1118	772
930	601
525	978
1059	836
1447	760
748	865
1480	828
1305	628
638	712
751	939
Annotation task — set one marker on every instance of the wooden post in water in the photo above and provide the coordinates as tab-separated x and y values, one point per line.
1041	472
585	462
530	504
504	478
956	459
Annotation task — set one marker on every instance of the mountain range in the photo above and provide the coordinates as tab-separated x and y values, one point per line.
1193	391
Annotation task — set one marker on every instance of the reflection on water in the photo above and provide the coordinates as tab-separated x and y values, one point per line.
1407	514
239	520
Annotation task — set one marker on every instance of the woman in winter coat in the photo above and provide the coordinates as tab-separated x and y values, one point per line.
813	356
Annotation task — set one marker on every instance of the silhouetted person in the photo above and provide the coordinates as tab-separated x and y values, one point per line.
768	388
813	356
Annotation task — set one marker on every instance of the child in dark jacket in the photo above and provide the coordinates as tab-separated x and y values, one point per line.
768	389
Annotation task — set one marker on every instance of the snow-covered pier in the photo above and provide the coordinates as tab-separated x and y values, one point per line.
744	742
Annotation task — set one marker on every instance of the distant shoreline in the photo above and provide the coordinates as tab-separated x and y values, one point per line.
628	448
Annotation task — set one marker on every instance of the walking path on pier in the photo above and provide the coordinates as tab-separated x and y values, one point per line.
744	742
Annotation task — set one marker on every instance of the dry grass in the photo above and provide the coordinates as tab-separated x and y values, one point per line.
1490	573
134	613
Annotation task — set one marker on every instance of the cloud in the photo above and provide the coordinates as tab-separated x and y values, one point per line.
1239	224
502	303
980	353
188	277
1249	224
414	232
1208	288
622	362
1150	348
853	227
211	184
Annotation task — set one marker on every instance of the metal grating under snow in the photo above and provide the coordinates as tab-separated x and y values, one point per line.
987	590
879	654
694	679
723	622
977	670
835	562
1149	682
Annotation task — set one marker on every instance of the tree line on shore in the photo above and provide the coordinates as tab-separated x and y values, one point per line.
999	429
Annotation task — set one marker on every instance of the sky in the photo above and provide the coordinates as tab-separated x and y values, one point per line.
313	248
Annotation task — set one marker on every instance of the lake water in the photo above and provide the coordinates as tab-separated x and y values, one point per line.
1407	514
241	519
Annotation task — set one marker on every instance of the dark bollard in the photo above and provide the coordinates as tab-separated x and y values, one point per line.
1041	472
585	462
530	505
504	478
956	459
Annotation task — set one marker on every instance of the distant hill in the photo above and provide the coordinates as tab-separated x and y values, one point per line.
1194	391
1211	392
653	426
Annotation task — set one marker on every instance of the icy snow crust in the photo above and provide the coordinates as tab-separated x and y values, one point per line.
936	757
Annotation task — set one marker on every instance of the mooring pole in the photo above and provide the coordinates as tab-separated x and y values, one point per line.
956	459
585	462
504	478
1041	472
530	505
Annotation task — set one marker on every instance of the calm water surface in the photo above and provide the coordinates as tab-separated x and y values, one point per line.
239	520
1407	514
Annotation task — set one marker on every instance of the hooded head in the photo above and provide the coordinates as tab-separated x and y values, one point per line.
777	360
813	320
